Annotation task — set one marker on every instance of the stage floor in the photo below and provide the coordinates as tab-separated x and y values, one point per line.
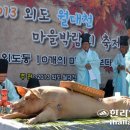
81	124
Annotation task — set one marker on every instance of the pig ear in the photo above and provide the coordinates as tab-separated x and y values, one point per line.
21	90
36	93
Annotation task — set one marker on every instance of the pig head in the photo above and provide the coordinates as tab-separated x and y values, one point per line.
50	103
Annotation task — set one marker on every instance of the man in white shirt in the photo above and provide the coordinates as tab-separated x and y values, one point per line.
88	64
119	68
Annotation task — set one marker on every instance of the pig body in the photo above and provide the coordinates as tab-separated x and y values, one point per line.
50	103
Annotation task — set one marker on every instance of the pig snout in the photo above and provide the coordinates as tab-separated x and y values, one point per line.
27	106
16	107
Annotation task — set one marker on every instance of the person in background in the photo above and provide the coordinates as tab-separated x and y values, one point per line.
33	82
5	83
119	68
88	64
127	24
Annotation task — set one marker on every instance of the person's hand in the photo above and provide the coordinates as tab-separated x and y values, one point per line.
88	66
120	67
127	70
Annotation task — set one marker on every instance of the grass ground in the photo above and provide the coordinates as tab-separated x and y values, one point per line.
61	124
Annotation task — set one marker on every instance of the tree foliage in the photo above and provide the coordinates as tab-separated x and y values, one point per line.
105	11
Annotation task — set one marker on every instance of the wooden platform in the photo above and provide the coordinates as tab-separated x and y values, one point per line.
87	90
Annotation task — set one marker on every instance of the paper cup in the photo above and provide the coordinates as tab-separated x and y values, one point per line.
117	94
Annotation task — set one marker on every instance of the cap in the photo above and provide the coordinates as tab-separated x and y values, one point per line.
124	40
33	82
85	37
3	66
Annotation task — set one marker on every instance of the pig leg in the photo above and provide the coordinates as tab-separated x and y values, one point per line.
14	115
47	115
1	114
